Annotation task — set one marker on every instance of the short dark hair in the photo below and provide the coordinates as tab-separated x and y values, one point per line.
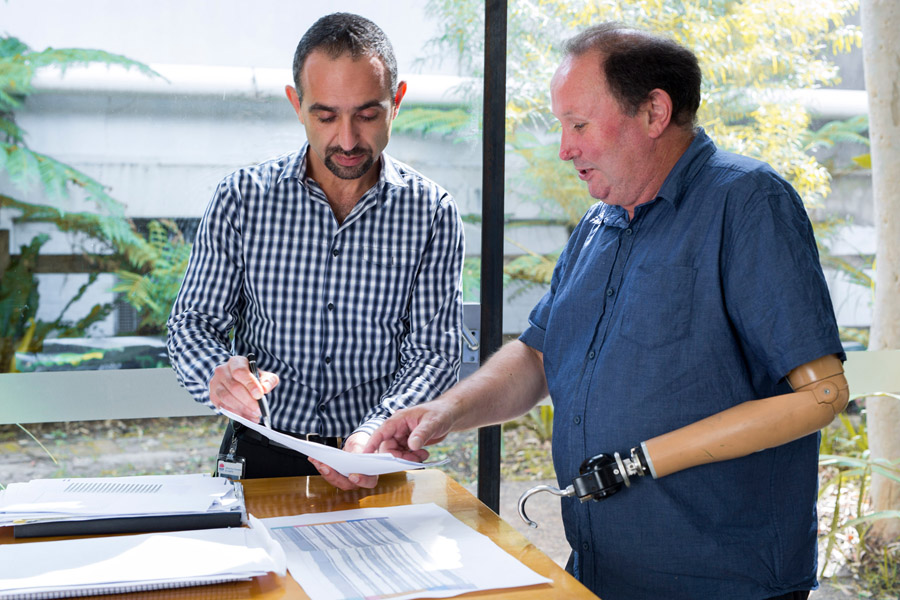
341	33
636	62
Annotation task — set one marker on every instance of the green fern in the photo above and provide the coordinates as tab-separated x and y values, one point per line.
151	292
455	122
29	172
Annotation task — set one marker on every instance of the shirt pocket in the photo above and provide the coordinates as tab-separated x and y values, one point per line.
389	273
657	305
387	257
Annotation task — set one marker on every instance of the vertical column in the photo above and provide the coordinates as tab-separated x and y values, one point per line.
492	210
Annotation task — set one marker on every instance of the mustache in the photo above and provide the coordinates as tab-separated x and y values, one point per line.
348	153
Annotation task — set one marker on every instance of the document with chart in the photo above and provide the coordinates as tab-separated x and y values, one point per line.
415	551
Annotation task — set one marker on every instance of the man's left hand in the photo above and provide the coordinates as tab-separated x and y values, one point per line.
355	443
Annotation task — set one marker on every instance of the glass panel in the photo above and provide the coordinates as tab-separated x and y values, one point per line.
545	199
157	143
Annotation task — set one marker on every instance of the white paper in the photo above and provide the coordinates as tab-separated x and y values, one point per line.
92	497
160	559
341	461
400	552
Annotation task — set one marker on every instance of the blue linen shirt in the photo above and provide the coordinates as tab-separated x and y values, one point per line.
705	299
358	319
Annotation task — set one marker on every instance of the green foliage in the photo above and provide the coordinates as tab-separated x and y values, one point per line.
453	122
59	187
20	329
540	420
166	255
847	470
752	54
18	303
57	182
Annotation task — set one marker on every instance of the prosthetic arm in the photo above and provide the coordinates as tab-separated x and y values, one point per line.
820	393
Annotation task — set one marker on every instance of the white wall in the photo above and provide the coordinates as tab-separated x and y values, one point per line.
233	33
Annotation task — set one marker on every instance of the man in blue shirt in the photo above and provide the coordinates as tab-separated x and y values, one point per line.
687	319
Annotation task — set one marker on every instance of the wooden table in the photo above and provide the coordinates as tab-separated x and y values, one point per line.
298	495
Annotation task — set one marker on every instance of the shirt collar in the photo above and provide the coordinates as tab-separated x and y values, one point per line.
682	174
389	175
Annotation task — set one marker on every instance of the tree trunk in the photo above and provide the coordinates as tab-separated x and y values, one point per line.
881	55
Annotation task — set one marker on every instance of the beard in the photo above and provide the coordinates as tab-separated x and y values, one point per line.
354	172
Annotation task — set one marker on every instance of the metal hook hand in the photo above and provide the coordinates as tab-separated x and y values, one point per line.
569	491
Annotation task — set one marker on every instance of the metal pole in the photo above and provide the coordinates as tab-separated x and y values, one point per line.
492	210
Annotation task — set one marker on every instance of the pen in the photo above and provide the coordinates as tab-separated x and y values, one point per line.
263	403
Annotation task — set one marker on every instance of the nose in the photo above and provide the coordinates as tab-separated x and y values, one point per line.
347	135
566	149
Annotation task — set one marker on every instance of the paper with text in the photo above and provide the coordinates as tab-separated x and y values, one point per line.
398	552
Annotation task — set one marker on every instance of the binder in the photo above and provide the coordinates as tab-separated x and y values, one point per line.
113	505
144	524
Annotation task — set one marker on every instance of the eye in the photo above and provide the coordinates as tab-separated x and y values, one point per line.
579	126
365	116
326	118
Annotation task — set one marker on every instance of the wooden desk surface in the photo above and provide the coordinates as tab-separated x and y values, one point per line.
298	495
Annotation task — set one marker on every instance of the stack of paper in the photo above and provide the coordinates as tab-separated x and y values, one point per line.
112	565
121	504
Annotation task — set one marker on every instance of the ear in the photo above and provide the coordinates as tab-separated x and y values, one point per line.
294	99
398	98
658	107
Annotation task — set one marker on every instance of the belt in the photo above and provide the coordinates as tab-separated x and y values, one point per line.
245	432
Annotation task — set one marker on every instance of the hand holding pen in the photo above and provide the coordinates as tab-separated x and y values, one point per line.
263	401
240	387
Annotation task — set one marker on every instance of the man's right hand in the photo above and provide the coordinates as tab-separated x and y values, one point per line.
406	433
234	388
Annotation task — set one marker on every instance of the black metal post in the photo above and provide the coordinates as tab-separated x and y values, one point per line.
492	211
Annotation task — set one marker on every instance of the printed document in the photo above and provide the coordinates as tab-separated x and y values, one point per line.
398	552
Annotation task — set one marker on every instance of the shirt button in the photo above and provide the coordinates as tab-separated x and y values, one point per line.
628	231
321	408
330	306
577	420
592	354
610	292
327	360
335	252
585	546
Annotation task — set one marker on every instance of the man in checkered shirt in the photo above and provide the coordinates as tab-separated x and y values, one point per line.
337	266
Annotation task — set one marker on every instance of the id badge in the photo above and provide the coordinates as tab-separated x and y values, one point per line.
230	466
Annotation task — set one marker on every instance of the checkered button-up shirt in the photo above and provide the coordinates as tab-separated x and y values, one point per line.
358	319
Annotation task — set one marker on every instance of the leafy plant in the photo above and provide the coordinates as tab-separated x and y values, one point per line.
57	181
540	420
20	329
847	469
151	292
59	186
751	54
